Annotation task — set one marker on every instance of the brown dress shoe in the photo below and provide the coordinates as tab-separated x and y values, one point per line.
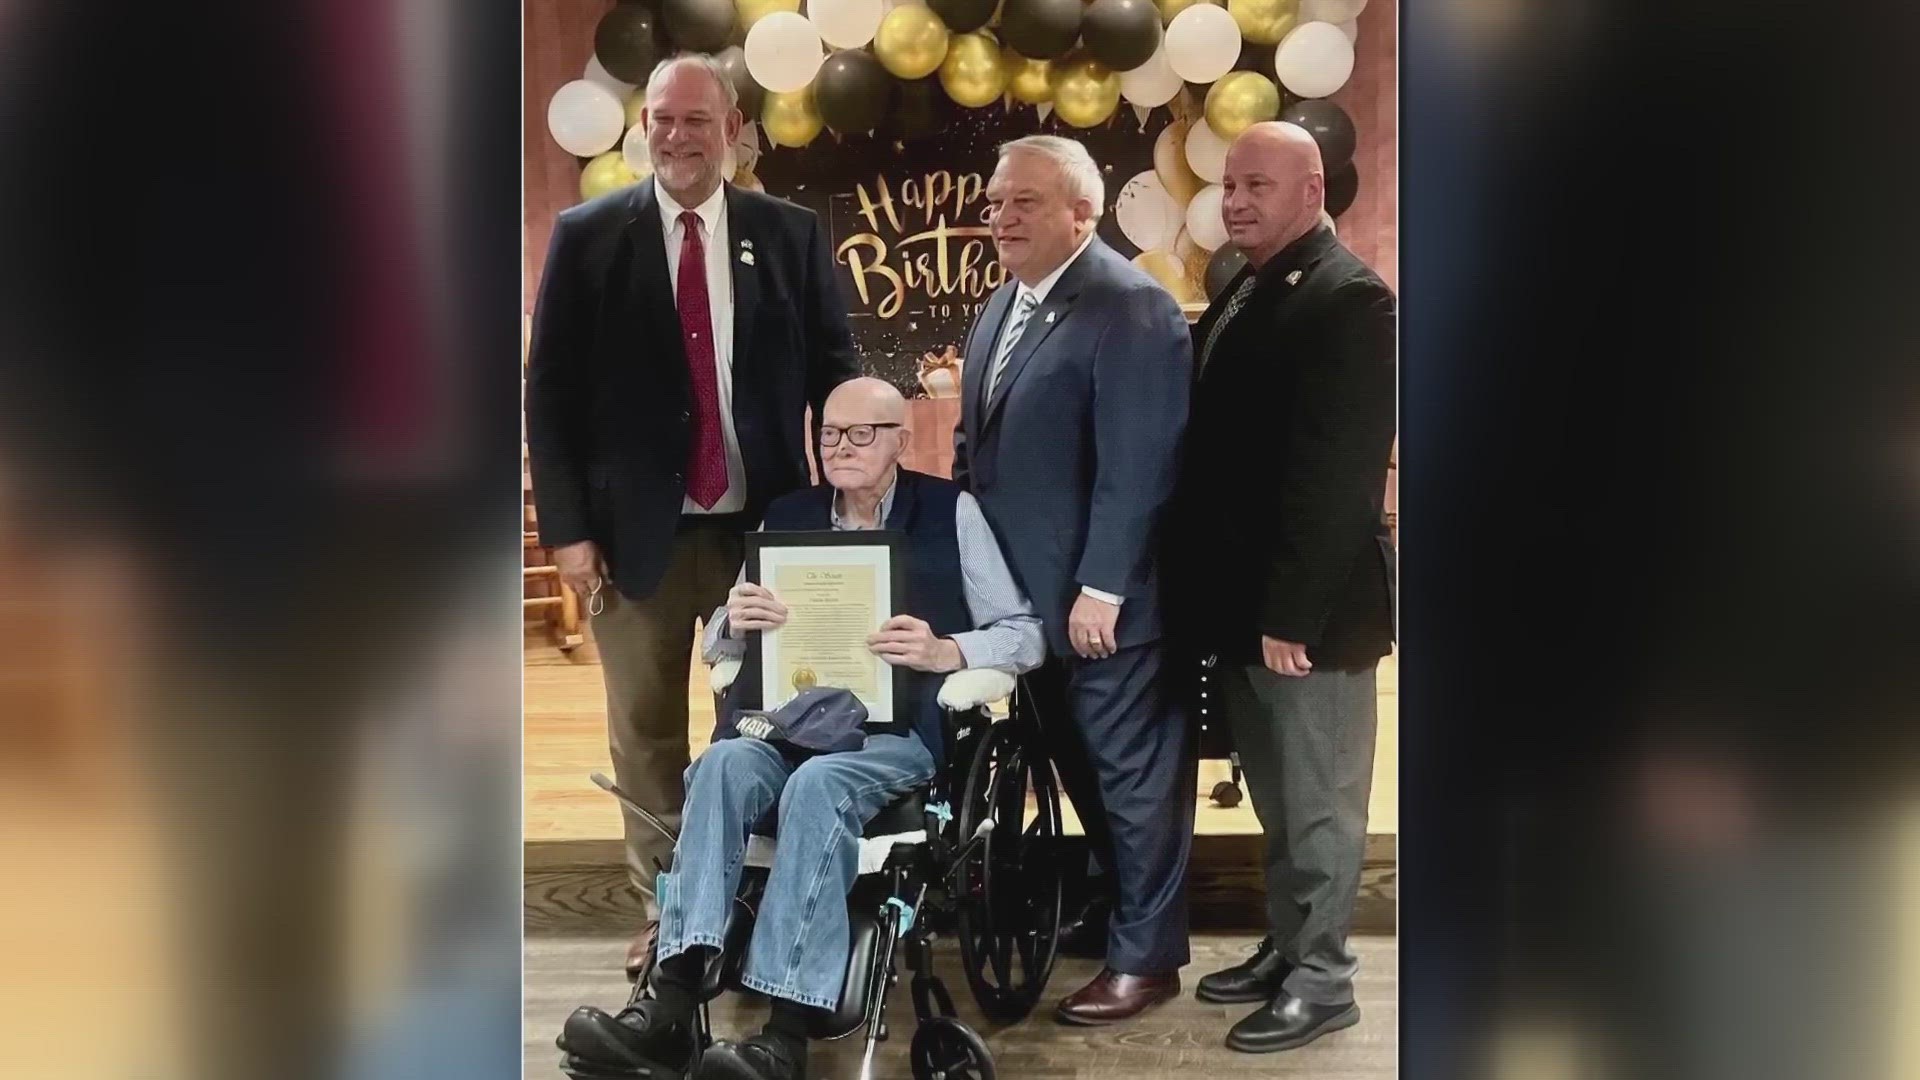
640	953
1112	997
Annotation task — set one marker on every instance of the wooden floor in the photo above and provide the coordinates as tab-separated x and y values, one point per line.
1182	1037
566	739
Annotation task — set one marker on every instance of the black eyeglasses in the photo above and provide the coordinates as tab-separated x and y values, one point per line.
858	434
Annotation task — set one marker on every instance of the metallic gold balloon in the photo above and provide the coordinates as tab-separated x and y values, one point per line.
1170	272
1084	93
1170	163
1031	81
745	178
1240	100
975	71
790	119
1170	8
1264	22
1193	257
911	41
752	11
636	104
608	172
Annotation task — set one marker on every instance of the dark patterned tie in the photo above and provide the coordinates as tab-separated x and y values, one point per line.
1016	326
1234	303
707	461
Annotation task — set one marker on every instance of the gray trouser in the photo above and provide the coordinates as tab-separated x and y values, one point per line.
1306	747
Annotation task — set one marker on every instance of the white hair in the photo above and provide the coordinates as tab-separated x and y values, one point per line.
1076	166
697	60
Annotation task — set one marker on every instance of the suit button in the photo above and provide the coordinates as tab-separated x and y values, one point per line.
677	478
686	414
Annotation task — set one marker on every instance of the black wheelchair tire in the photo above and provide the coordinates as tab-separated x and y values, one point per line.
946	1049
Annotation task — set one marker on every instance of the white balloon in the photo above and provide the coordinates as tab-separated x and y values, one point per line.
1351	28
585	118
1206	152
1314	59
1202	43
1148	215
783	52
846	24
596	73
1152	83
1204	224
1333	11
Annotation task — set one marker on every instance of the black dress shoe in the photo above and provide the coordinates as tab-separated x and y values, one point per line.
638	1041
1287	1022
757	1057
1258	978
1085	938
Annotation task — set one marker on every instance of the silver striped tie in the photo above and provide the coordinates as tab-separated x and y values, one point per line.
1234	303
1012	337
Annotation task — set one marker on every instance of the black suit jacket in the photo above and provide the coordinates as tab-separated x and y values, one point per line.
608	404
1074	458
1279	523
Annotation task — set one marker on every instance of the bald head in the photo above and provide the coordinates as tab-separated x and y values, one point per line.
865	401
862	409
1275	187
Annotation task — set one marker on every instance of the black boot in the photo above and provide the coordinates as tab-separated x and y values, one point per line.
652	1036
1255	979
757	1057
1287	1022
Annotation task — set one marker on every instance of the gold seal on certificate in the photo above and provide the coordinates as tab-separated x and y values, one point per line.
838	588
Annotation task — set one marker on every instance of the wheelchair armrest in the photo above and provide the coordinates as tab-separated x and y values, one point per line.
974	687
722	675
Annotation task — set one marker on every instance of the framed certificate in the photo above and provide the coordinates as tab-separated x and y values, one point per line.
838	588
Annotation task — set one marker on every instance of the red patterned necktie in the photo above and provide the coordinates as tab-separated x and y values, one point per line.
707	463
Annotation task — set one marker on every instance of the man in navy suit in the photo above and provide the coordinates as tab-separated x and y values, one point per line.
684	327
1074	403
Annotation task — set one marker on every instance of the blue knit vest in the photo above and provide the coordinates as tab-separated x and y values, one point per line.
923	510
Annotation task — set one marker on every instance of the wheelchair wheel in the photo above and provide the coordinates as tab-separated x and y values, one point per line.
1009	892
946	1049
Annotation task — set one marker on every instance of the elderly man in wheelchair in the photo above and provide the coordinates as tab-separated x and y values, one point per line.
969	631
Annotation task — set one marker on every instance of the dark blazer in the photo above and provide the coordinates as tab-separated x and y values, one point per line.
1074	459
608	404
1280	528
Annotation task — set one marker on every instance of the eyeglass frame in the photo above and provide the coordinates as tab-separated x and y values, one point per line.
872	429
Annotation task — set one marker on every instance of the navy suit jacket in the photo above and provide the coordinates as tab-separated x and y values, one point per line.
608	399
1074	459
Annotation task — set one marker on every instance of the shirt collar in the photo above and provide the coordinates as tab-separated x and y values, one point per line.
709	211
886	505
1047	283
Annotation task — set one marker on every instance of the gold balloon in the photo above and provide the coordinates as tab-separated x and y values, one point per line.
752	11
608	172
974	72
1264	22
636	104
1240	100
1194	258
1170	272
790	118
1085	93
745	178
1170	8
1170	163
1031	82
911	41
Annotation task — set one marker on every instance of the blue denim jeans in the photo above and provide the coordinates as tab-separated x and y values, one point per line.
800	937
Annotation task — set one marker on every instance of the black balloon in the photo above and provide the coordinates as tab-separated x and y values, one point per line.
1329	125
1221	268
699	25
1040	29
916	108
1343	183
851	91
627	42
733	60
963	16
1122	34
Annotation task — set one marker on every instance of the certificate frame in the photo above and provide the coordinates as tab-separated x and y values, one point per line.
767	552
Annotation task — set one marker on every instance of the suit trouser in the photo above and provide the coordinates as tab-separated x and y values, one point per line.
1306	749
1126	760
645	646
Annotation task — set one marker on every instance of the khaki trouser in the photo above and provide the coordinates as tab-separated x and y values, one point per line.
644	648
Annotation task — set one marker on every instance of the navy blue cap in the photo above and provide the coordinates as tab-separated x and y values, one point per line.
822	719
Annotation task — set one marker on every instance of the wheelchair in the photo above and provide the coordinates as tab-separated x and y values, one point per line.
976	852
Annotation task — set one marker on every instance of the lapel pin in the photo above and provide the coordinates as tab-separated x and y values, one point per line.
1050	316
746	256
746	243
1293	278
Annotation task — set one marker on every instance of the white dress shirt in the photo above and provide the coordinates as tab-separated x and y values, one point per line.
1039	293
713	234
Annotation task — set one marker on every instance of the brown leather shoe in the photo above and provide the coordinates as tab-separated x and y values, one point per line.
640	953
1112	997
